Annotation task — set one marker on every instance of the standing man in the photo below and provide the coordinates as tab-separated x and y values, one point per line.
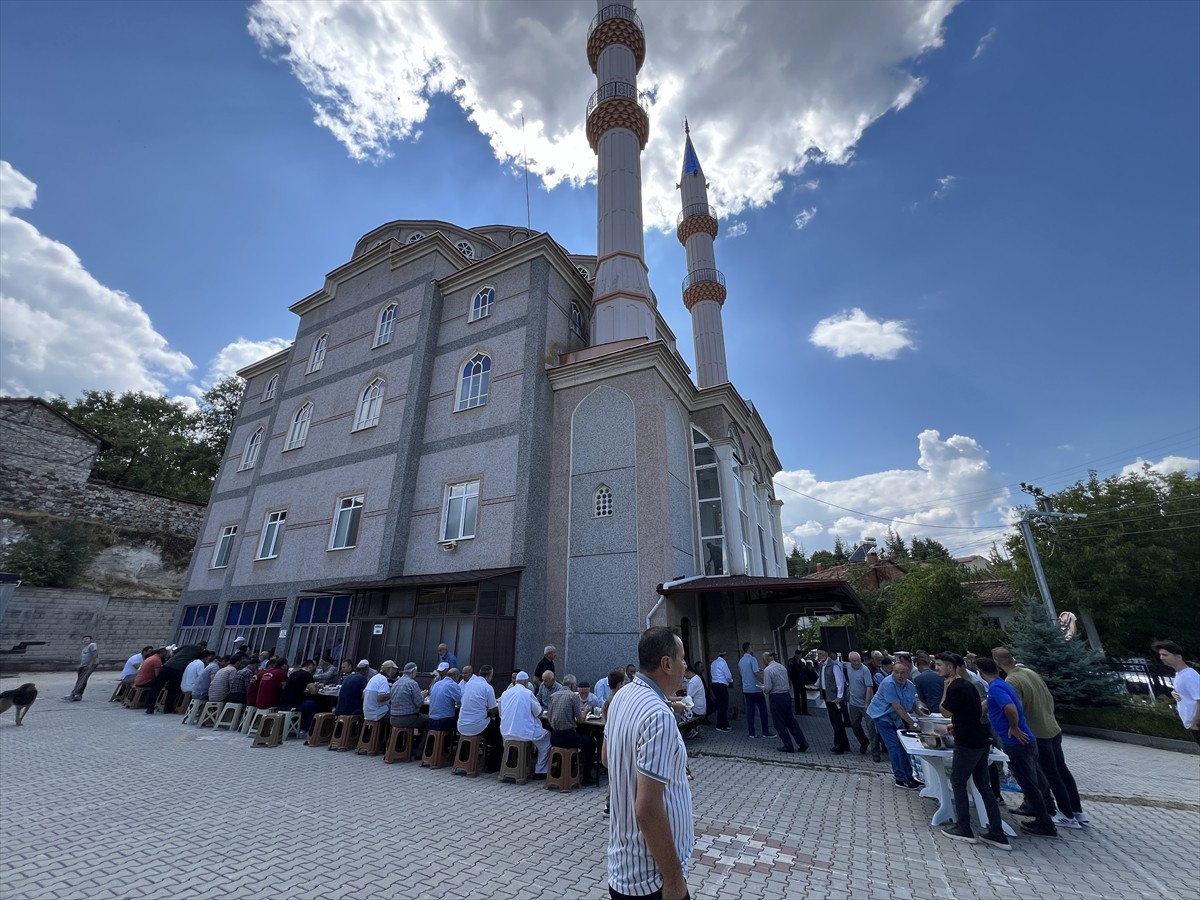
751	673
775	686
445	656
832	681
930	684
722	678
1008	721
894	707
547	662
1038	703
972	744
800	675
860	687
651	831
89	658
1187	686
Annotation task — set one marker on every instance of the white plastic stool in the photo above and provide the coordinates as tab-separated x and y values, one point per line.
229	717
193	712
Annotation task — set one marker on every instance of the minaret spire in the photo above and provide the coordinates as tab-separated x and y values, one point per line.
704	286
617	128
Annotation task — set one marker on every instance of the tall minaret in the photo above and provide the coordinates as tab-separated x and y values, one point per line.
704	287
617	128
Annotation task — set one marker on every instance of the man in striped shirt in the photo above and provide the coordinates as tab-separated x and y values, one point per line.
650	832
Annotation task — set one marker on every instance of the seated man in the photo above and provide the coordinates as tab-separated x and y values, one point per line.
204	679
133	664
519	721
218	688
695	690
150	667
298	691
270	683
350	697
590	701
548	689
479	714
378	692
404	706
444	698
326	672
565	712
239	682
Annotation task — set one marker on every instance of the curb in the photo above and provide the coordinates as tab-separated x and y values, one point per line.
1125	737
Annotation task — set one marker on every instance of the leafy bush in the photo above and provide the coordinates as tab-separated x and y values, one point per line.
50	555
1131	718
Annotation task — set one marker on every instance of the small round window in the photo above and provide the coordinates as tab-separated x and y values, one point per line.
466	248
415	236
584	272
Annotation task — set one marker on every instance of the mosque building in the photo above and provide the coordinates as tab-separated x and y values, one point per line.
483	439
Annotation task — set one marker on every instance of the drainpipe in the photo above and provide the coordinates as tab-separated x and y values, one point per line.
663	597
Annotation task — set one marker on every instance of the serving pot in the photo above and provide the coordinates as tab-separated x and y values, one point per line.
933	724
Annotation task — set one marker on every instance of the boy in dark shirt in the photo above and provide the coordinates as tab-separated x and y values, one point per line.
972	744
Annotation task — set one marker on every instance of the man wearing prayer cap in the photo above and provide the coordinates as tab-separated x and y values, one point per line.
519	711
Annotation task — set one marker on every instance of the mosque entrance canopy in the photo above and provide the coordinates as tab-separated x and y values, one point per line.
798	596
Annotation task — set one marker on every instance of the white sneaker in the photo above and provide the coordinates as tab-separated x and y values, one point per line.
1082	818
1063	822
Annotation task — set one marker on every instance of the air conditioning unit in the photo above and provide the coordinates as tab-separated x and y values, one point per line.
447	546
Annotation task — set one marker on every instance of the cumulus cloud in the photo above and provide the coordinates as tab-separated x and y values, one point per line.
65	332
736	230
811	185
804	217
951	488
831	70
983	42
1164	466
854	332
237	355
945	185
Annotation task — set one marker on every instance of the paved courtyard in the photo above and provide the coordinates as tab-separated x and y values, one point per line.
97	801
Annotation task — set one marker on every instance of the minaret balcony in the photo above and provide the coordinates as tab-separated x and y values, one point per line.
616	24
617	104
703	284
695	219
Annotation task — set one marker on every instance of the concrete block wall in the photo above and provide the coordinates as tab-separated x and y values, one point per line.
60	617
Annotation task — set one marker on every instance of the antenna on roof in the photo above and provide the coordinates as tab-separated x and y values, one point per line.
525	159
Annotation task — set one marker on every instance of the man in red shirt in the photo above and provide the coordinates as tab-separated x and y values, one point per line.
270	685
150	667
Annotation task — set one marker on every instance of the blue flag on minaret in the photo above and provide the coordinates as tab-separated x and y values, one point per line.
690	161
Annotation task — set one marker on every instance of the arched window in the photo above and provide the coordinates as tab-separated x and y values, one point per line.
577	325
415	236
602	502
369	405
735	435
473	385
316	359
481	306
298	433
584	272
755	466
253	449
386	327
269	390
466	248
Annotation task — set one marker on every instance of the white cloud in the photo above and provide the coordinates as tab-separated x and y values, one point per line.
945	185
854	332
952	487
811	185
1064	447
63	331
736	230
983	42
830	69
1164	466
804	217
237	355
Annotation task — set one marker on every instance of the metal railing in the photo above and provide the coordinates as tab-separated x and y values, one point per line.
614	90
702	276
615	11
696	209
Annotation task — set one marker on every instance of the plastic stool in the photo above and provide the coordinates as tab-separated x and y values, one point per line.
437	748
320	730
372	737
160	704
136	698
400	745
208	713
346	730
229	717
468	759
292	718
247	719
256	722
270	730
193	712
120	692
517	762
184	701
564	769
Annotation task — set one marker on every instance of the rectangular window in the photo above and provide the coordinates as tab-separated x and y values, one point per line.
272	534
224	547
459	511
197	624
345	523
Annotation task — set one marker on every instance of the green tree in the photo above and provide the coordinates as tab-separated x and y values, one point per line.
49	555
797	563
934	610
929	550
822	557
839	551
218	410
1131	564
1075	674
893	545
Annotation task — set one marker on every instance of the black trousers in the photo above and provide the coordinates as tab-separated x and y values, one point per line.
493	745
721	693
171	679
801	693
1058	776
838	724
1023	763
586	745
971	763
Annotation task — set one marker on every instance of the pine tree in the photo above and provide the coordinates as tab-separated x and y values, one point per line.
894	545
1076	674
839	550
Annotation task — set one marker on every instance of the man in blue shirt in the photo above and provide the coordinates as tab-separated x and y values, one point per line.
1008	721
350	696
750	670
444	699
445	656
892	708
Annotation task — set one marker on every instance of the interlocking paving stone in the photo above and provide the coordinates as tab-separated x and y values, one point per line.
295	821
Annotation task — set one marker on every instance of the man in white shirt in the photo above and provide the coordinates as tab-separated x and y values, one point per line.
378	693
779	698
1187	686
133	664
722	678
695	692
519	711
190	674
480	714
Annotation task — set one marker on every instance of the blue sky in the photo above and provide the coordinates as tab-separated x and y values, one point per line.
997	277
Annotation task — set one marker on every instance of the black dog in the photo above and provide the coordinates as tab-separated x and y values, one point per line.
22	698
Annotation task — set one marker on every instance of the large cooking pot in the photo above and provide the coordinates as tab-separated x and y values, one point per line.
938	725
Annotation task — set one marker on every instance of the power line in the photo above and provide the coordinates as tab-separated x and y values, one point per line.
868	515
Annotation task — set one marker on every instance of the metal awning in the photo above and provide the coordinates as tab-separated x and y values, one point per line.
809	597
419	580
